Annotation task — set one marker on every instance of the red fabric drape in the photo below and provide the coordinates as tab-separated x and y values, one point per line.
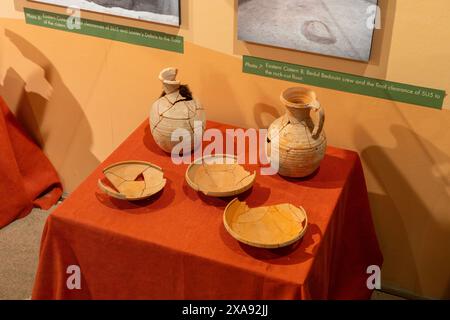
174	245
27	178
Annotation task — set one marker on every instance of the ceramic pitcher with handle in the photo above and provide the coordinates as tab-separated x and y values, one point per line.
301	142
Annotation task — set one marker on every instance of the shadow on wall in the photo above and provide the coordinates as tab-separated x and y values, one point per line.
265	114
379	57
225	94
414	242
68	142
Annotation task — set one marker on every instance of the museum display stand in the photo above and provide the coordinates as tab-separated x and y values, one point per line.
174	245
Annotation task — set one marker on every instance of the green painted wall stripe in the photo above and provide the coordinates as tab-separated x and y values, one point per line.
142	37
389	90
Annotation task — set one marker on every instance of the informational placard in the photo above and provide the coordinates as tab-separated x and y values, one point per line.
389	90
142	37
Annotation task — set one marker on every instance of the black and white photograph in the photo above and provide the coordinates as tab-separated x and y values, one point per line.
159	11
340	28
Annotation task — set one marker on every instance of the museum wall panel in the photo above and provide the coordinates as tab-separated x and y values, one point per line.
104	89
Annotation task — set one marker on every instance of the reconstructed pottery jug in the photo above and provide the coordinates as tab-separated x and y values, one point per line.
175	109
302	144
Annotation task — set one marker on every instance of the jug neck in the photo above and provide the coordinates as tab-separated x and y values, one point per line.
297	114
170	88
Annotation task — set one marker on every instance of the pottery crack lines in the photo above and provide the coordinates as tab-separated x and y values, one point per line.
192	111
274	219
271	213
279	131
232	171
132	180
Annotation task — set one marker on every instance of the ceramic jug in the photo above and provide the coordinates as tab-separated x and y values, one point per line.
301	142
175	109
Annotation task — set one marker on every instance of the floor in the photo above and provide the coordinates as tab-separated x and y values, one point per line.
19	250
378	295
330	27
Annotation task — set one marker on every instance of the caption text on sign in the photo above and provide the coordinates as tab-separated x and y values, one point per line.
105	30
389	90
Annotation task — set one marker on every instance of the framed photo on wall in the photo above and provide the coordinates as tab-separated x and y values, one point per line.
340	28
159	11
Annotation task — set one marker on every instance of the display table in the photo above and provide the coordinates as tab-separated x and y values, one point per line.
27	178
174	245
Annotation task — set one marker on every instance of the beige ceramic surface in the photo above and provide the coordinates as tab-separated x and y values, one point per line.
172	111
302	143
219	176
265	227
124	177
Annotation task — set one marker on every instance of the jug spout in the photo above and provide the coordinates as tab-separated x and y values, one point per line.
298	102
168	78
298	97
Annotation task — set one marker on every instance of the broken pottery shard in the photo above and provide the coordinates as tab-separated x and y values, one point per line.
265	227
222	177
133	180
176	112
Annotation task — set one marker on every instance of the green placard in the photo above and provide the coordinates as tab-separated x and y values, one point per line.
105	30
389	90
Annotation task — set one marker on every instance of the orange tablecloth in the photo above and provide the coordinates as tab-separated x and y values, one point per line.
27	178
174	246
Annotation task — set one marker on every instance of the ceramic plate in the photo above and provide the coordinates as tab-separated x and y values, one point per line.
133	180
219	176
265	227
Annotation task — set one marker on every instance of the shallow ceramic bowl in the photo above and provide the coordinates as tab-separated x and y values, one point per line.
133	180
219	176
265	227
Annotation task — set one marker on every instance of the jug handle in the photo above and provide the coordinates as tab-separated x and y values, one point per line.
319	127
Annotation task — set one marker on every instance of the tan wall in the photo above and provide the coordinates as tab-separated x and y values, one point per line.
103	89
